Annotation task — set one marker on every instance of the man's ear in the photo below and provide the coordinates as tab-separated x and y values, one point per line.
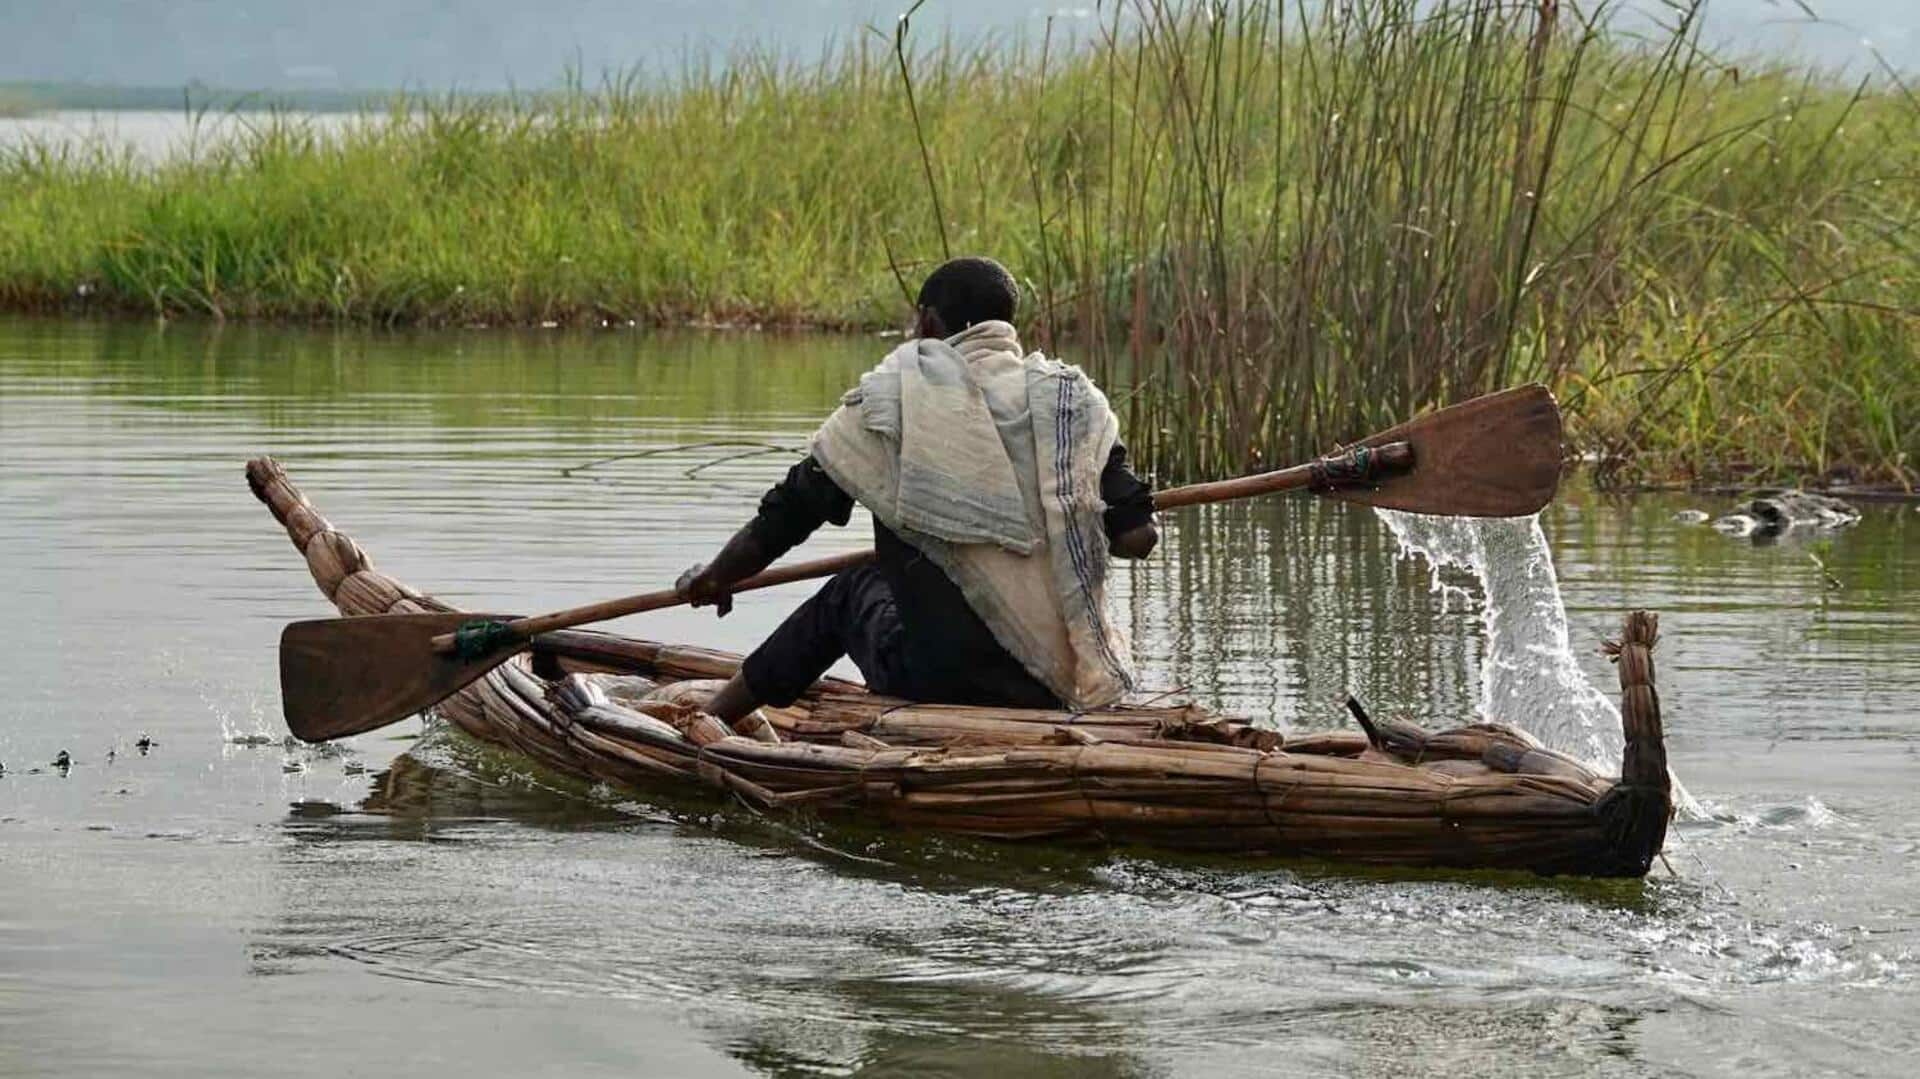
928	324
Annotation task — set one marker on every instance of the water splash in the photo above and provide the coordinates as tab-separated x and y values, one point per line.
1529	677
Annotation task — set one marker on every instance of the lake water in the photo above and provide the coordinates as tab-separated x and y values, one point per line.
151	135
224	904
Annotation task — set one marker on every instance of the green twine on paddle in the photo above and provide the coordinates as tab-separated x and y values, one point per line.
482	637
1354	468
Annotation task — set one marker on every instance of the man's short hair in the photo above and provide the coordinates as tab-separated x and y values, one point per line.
964	291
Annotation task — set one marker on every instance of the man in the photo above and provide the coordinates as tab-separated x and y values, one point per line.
997	486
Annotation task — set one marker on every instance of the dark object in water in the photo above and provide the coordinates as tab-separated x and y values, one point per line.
1173	777
62	760
144	744
1787	508
1771	513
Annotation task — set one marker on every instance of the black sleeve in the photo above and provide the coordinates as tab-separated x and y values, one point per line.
806	499
1129	499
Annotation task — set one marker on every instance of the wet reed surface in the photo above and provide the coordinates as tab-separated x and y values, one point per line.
221	904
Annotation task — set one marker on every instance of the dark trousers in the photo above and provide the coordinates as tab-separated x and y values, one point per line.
855	615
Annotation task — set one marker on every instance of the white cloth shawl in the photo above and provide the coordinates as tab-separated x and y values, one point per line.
988	461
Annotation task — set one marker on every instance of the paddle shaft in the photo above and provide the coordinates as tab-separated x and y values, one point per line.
667	597
1330	473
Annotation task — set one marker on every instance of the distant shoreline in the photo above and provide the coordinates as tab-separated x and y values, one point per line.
23	99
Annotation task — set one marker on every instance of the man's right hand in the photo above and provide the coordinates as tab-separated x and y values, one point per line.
699	587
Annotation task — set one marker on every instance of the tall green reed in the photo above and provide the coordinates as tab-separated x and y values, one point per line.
1269	226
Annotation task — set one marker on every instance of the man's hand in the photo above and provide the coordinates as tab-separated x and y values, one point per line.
1135	542
700	587
712	582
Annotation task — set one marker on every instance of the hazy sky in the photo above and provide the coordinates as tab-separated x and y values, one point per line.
487	44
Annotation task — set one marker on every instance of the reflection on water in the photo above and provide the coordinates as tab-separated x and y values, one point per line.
529	919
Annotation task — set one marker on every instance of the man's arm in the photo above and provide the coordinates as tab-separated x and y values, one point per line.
1129	516
789	513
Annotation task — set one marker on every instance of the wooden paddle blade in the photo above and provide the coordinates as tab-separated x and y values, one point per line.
1493	456
341	676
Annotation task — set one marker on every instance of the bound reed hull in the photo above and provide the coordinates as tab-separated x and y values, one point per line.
1479	796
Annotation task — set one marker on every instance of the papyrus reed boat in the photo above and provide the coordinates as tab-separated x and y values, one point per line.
1477	796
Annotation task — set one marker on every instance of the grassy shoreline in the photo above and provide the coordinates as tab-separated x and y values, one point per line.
1261	231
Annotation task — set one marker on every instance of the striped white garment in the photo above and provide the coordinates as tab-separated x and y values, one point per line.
988	459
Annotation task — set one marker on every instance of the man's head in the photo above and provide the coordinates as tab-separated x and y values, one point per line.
962	292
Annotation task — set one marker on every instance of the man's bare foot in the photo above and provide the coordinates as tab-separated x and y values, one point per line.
733	701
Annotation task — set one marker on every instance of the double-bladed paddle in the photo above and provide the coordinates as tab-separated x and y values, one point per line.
1493	456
